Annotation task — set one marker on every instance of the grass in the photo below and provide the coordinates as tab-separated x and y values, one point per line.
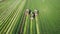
13	20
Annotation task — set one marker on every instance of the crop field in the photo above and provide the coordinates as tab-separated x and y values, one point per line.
15	20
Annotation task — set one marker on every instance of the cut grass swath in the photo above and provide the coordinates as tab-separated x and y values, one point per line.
37	26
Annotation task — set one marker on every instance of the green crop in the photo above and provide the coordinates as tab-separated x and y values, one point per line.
14	21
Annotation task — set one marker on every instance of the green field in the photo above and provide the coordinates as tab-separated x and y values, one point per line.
14	21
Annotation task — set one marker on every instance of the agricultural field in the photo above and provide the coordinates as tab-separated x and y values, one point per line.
15	17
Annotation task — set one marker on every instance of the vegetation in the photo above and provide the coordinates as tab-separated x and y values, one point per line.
15	20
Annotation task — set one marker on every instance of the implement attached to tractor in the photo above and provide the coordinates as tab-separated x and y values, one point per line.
32	14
